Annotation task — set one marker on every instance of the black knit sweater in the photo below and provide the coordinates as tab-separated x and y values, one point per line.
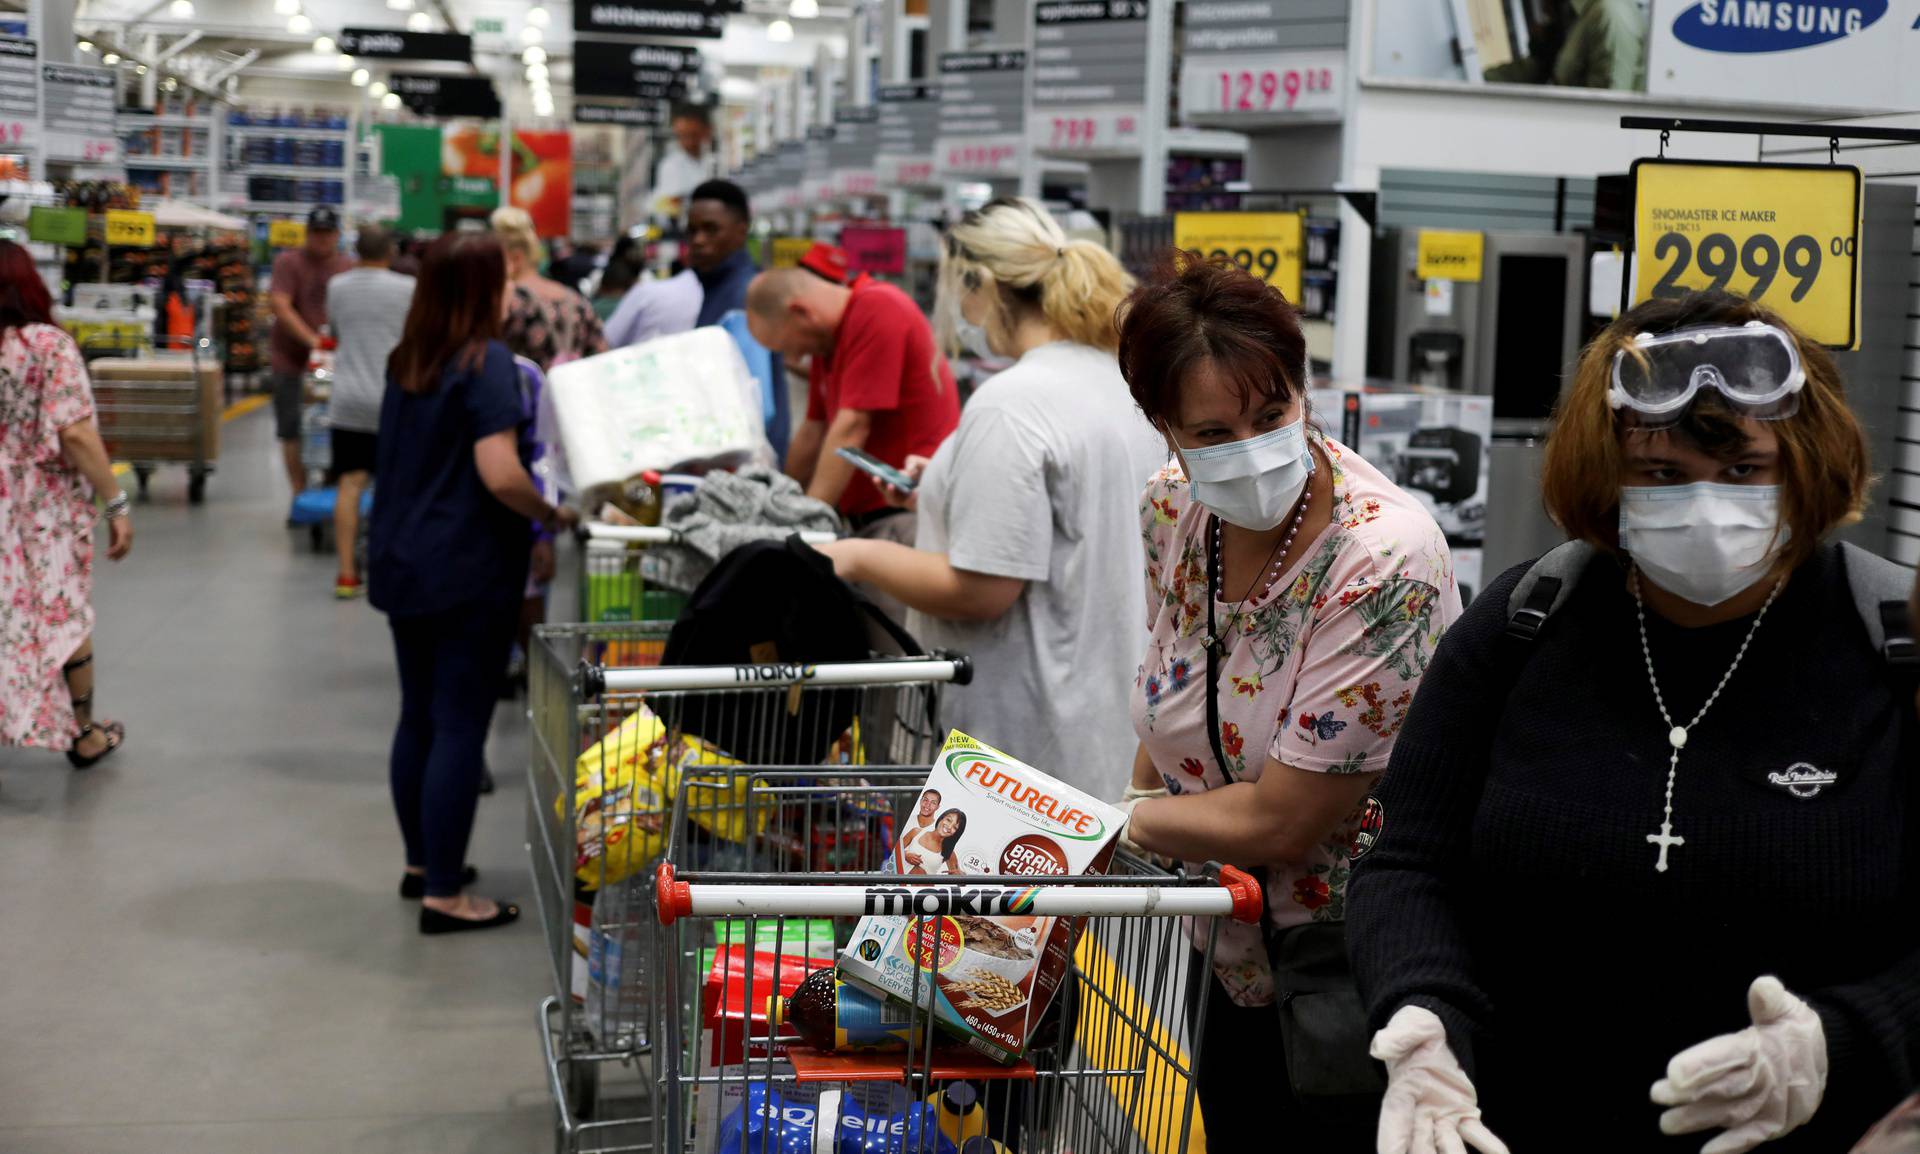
1512	888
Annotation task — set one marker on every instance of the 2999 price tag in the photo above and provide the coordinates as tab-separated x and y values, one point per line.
1266	244
1786	236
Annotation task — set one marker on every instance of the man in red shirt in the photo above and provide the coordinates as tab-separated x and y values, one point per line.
298	292
877	383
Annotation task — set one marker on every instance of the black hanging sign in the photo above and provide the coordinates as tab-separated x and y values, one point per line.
706	19
647	114
446	95
401	44
630	68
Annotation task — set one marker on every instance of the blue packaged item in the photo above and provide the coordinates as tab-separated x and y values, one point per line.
867	1118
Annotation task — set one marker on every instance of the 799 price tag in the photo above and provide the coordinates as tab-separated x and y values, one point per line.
1786	236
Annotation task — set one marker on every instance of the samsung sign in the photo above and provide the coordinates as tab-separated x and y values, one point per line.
1825	54
1772	25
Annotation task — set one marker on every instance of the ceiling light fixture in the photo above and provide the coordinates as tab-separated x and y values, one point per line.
377	89
538	16
324	46
419	22
534	55
531	35
343	62
537	72
169	84
181	9
391	102
400	5
360	77
780	32
804	9
110	58
285	7
299	24
139	70
85	46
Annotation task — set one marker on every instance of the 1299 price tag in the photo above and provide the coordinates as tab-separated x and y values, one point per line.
1266	244
1786	236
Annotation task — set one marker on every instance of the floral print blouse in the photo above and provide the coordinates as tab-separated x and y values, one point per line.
1317	674
550	327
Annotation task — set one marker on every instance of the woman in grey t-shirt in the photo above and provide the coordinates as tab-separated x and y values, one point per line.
1028	550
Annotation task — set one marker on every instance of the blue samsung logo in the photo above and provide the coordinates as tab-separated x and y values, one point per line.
1772	25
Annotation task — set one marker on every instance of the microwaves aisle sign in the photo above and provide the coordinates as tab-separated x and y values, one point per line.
1833	53
982	101
903	149
1252	62
1089	76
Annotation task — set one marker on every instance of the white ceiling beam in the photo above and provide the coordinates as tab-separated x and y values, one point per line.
215	79
179	46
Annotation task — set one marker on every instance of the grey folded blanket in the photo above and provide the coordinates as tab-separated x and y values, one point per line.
727	511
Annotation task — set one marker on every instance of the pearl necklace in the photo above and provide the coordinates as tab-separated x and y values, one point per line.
1677	734
1279	557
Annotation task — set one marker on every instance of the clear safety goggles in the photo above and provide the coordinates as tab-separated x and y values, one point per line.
1755	366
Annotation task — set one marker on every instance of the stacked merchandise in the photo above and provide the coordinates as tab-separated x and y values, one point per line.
290	155
169	154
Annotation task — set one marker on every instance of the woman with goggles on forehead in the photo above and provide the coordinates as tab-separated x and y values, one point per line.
1644	878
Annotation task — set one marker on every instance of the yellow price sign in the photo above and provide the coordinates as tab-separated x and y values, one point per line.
1267	244
286	233
1448	254
787	250
1786	235
134	229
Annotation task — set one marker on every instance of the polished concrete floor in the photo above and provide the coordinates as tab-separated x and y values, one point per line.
201	948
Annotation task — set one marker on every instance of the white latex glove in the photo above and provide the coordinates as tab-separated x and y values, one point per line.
1430	1106
1756	1084
1132	797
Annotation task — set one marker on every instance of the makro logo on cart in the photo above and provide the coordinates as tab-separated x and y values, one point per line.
984	774
1772	25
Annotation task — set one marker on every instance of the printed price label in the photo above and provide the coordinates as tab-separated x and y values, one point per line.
1273	85
1084	132
286	233
981	158
1445	254
787	250
1786	236
134	229
1267	244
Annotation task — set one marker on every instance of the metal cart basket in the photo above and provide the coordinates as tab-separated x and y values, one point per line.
617	581
613	748
156	410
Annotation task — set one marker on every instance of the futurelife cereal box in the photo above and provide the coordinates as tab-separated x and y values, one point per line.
990	977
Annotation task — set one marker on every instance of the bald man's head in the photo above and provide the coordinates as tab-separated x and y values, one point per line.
794	313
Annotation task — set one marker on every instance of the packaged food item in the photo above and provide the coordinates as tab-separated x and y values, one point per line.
829	1014
862	1118
738	1040
994	970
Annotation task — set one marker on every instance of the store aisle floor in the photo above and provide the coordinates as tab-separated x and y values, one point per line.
201	947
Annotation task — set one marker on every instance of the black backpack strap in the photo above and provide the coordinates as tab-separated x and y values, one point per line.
1880	588
1541	590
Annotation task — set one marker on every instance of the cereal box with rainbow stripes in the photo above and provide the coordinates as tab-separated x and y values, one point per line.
990	976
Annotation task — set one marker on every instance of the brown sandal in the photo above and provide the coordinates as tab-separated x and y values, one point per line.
116	735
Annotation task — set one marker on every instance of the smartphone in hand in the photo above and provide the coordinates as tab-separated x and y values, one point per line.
876	468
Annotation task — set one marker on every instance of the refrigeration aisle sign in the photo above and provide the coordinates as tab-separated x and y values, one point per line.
904	134
1449	254
1089	77
1267	244
19	95
1263	62
983	98
78	104
1785	235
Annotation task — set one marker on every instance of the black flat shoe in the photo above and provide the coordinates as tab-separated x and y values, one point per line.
432	921
413	887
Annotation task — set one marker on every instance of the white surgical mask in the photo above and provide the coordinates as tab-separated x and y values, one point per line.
1252	483
973	338
1704	542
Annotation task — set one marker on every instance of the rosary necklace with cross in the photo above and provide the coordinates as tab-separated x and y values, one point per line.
1666	839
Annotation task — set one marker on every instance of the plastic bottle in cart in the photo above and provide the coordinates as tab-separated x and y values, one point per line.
831	1015
640	499
615	1001
958	1111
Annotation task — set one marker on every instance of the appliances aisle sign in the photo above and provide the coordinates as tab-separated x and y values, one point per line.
19	95
1267	244
1785	235
909	118
1830	53
1089	79
1256	62
982	108
79	113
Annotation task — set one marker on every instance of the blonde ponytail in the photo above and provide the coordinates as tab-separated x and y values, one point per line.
1014	254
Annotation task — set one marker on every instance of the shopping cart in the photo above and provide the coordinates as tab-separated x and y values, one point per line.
619	577
613	751
156	408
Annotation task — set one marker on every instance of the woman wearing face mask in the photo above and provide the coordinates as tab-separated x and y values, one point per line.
1647	880
1327	588
1026	545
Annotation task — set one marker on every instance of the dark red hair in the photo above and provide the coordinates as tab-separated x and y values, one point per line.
1190	310
24	299
456	310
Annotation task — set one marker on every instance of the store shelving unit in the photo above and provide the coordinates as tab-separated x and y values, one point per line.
173	155
276	168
